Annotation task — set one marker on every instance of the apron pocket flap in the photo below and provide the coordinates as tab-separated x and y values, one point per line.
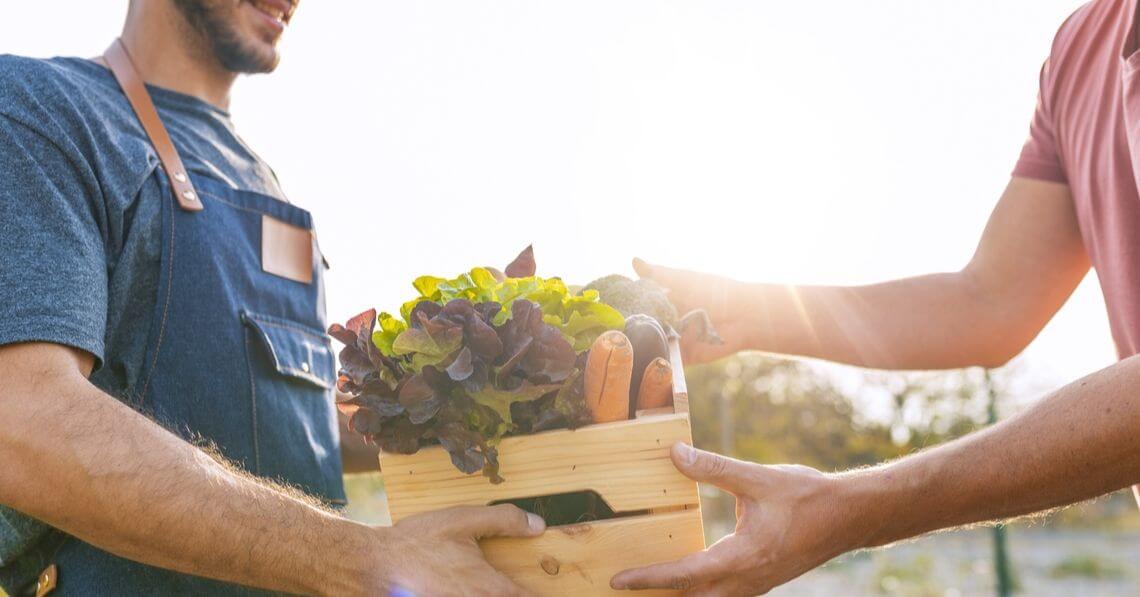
297	351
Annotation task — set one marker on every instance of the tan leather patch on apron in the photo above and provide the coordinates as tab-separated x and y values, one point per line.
286	250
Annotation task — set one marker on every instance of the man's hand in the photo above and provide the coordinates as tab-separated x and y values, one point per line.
1077	443
725	300
788	521
437	553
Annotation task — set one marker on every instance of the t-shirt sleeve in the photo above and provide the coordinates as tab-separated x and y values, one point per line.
53	281
1040	156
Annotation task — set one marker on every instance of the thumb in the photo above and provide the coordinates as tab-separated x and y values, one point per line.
643	268
690	290
730	474
503	520
665	276
678	282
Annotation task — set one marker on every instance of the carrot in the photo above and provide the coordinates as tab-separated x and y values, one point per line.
656	389
608	371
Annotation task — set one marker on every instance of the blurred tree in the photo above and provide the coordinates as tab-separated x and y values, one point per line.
784	411
769	410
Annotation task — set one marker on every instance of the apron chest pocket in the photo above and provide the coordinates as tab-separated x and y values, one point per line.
294	351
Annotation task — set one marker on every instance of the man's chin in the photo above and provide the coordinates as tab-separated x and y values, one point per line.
238	43
248	58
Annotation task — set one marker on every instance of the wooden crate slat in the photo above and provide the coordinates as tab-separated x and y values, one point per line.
680	386
626	462
581	559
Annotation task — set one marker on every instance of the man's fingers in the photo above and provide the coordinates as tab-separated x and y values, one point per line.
690	290
642	267
671	279
503	520
680	575
730	474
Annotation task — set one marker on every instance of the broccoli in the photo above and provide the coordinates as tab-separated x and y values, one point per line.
631	297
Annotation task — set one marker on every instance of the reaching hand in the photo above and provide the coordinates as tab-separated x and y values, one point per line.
723	299
788	521
737	336
438	553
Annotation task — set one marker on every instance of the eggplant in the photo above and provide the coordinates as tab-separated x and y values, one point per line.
649	342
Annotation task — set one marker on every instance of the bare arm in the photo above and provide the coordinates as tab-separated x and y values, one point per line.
85	463
1077	443
1080	442
1028	262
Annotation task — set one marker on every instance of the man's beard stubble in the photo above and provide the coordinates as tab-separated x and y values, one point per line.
209	20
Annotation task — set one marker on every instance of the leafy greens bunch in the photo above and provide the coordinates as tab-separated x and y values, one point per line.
471	359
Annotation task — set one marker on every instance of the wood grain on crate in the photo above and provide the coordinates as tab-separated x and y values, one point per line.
627	463
581	559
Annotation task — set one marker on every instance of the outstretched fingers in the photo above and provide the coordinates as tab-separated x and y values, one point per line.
732	475
690	290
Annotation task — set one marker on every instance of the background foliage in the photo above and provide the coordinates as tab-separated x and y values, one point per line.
764	409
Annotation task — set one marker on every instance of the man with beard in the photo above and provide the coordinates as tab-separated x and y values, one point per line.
1073	202
152	265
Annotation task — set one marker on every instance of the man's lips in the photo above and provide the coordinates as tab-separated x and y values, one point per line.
277	11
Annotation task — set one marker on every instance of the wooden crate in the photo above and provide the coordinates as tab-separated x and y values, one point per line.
627	463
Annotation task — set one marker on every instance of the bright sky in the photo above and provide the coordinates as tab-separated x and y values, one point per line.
817	142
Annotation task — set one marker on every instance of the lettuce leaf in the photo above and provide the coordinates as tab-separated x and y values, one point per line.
581	318
501	400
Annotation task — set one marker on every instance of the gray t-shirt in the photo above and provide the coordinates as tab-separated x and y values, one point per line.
79	205
79	213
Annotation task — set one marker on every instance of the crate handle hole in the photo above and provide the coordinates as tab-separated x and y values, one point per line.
574	507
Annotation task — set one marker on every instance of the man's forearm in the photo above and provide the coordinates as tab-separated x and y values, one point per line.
1080	442
928	322
85	463
1027	263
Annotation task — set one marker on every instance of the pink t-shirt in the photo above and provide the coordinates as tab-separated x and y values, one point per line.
1086	133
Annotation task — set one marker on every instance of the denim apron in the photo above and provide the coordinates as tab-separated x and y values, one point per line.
238	360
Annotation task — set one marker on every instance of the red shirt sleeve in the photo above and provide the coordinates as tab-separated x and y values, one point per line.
1040	158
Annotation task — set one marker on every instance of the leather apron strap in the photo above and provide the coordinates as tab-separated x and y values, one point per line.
124	70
